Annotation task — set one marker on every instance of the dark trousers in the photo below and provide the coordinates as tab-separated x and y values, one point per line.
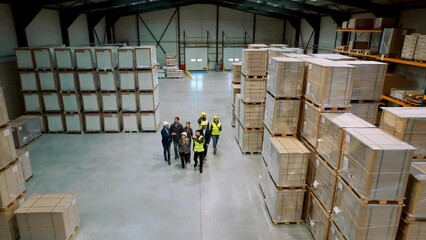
184	158
175	146
200	156
166	151
215	140
206	147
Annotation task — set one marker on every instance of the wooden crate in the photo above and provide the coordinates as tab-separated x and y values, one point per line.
250	141
111	122
253	90
409	47
67	81
130	122
106	58
363	221
129	101
252	114
411	229
127	80
33	102
368	79
366	111
332	135
285	77
88	80
289	162
24	58
13	185
55	123
254	62
4	116
375	164
146	57
126	58
91	102
44	58
150	121
324	183
74	122
108	80
65	58
147	79
7	147
93	122
85	58
329	83
416	191
408	125
110	102
318	220
29	81
71	102
48	81
148	101
236	89
236	72
52	102
8	222
281	116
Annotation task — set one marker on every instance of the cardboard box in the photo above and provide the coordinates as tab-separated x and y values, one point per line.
147	79
367	111
88	80
126	58
253	90
392	41
8	224
67	81
420	52
12	184
65	58
281	116
148	101
71	102
266	146
416	191
112	122
236	72
130	122
250	140
408	125
329	83
127	80
4	116
409	47
7	147
288	162
44	58
25	129
252	115
85	58
91	102
310	124
23	156
129	101
375	164
106	58
285	77
55	122
254	62
48	216
52	102
48	81
263	177
74	122
332	134
24	58
236	89
411	229
257	46
150	121
29	81
275	52
334	233
405	94
146	57
108	80
363	221
360	23
324	184
110	102
318	220
358	45
93	122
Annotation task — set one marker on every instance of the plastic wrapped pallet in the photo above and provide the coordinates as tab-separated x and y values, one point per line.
332	135
278	45
48	216
329	83
297	55
392	41
71	102
250	140
289	162
257	46
126	58
29	81
420	52
12	184
74	122
284	206
150	121
318	220
130	122
25	129
147	79
324	183
65	58
24	58
7	147
360	23
23	156
254	62
310	124
146	57
108	80
238	105
44	58
55	123
411	229
266	147
67	81
88	80
281	116
8	224
334	233
112	122
368	79
127	80
106	58
85	58
236	89
404	94
252	114
408	125
91	102
48	81
375	164
236	72
148	101
364	221
409	47
129	101
285	77
93	122
366	111
33	102
263	178
416	191
253	90
52	102
110	102
4	117
334	57
275	52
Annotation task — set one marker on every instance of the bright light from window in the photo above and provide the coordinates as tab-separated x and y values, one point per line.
199	60
193	60
236	59
230	59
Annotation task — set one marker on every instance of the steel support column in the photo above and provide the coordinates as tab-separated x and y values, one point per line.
66	19
23	14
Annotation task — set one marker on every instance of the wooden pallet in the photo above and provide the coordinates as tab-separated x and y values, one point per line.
275	222
365	101
280	134
283	98
74	233
419	158
127	131
238	83
329	108
8	207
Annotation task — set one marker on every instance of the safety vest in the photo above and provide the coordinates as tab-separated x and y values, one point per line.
198	147
206	121
216	128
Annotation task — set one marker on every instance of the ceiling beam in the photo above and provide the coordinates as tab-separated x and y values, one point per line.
107	5
378	9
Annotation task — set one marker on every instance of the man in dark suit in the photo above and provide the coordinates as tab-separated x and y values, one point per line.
166	140
207	134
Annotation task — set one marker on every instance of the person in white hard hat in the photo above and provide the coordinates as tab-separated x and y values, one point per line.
184	149
207	134
166	140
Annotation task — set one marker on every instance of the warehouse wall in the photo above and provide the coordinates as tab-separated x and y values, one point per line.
100	33
290	34
234	24
414	18
7	31
327	35
78	32
305	33
44	29
123	33
269	30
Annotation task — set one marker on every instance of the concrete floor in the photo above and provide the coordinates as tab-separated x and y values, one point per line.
126	190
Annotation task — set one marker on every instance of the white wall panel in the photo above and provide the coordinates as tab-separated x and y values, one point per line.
290	34
235	23
44	29
269	30
7	31
196	20
100	30
78	32
327	35
126	30
414	18
305	34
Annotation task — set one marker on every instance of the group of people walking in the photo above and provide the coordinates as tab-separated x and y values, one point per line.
184	139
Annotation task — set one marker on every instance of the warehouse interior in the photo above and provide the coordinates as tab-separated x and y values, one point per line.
208	56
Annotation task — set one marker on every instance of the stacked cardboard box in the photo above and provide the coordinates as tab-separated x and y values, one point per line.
334	57
420	52
408	125
409	47
392	41
236	73
236	89
48	216
23	156
257	46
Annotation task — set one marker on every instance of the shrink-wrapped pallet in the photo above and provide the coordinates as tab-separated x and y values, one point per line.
106	58
29	81
71	102
150	121
110	102
88	80
129	101
130	122
108	80
65	58
250	140
254	62
252	114
420	52
55	122
318	220
366	111
126	58
93	122
74	122
281	116
44	58
253	90
236	89
285	77
324	183
67	81
409	47
147	79
85	58
146	57
52	102
111	122
416	191
148	101
236	72
334	57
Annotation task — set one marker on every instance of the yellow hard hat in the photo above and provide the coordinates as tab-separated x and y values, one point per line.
203	114
215	117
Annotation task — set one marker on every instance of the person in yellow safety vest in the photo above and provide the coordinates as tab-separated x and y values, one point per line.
202	119
198	149
216	129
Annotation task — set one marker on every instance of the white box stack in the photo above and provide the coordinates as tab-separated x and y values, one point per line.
74	122
106	58
126	58
93	122
85	58
147	80
409	47
146	57
108	81
127	80
44	58
420	53
67	81
111	122
130	122
65	58
88	81
29	81
52	102
24	58
55	123
71	102
149	121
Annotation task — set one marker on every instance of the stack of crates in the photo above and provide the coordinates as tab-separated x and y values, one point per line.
236	89
252	103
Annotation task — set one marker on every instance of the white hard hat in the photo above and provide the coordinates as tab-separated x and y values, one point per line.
165	123
184	133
